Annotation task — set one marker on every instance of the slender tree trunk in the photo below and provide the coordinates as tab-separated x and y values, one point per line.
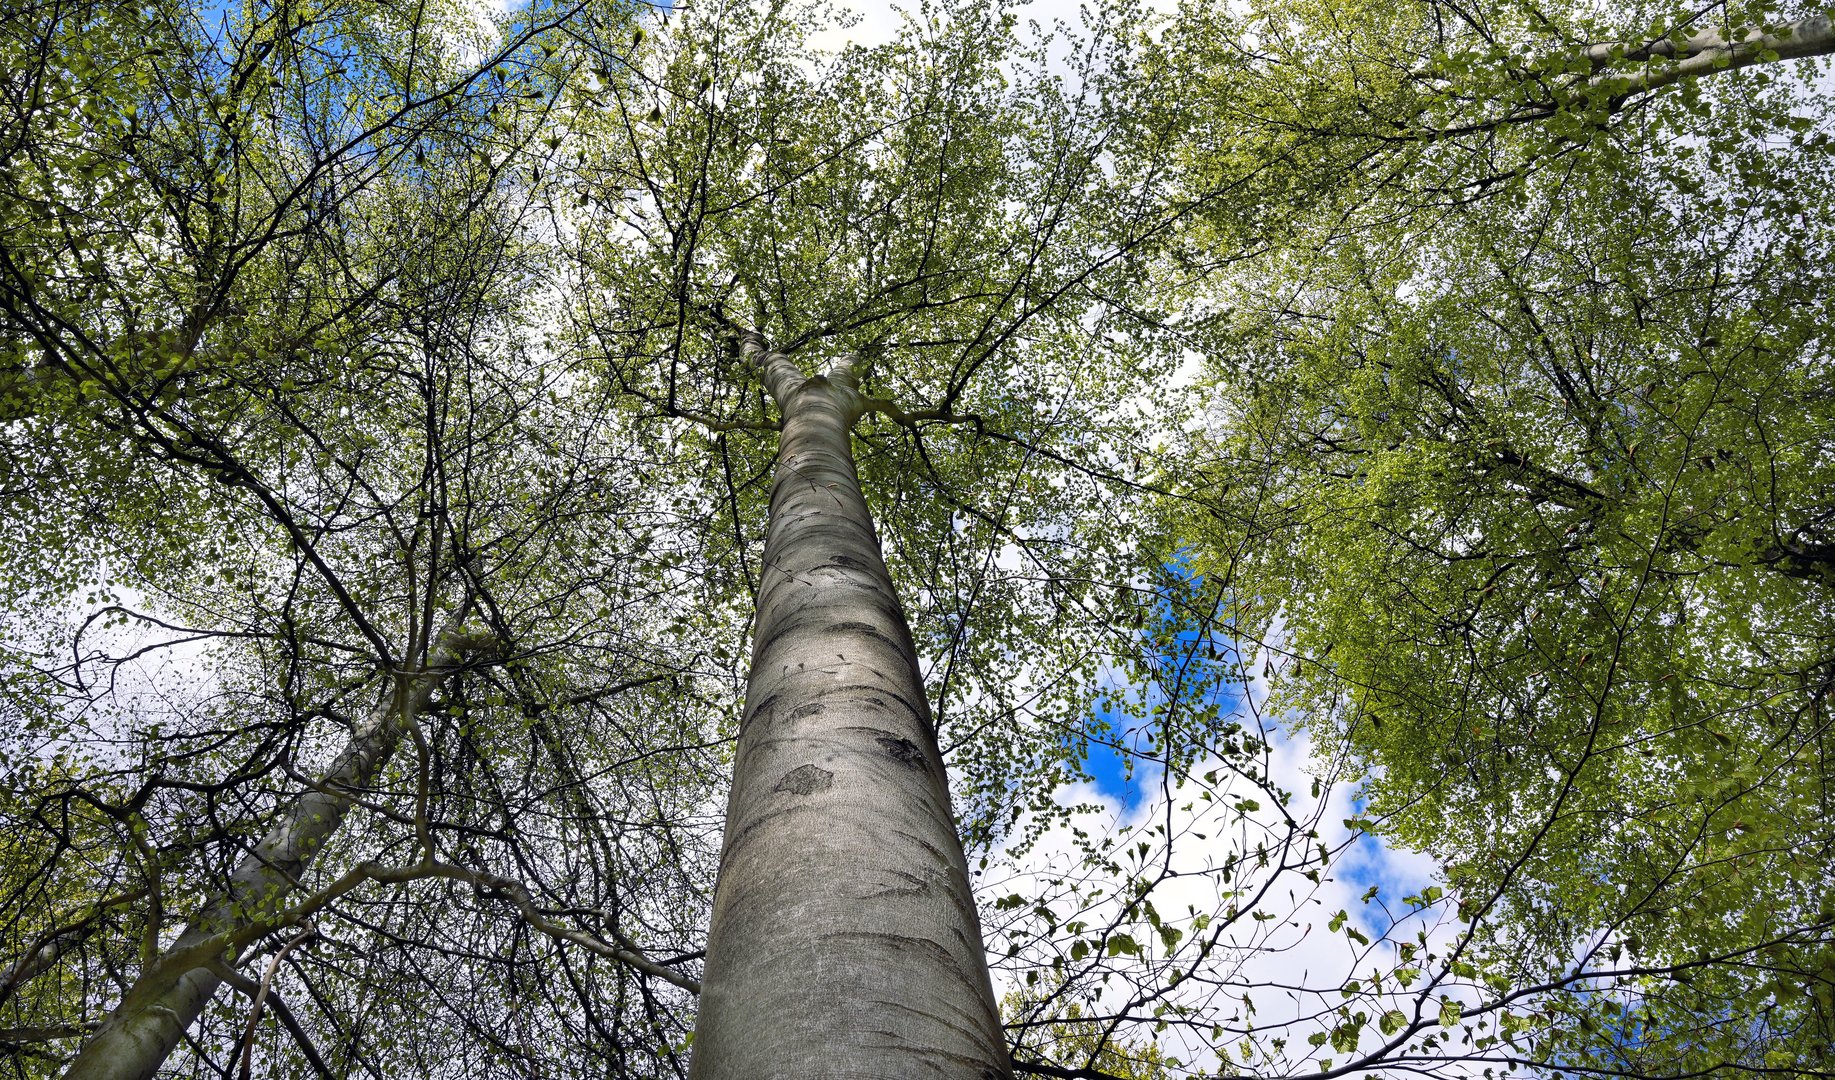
844	941
173	990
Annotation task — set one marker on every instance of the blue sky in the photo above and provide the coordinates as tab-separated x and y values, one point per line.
1109	768
1194	658
1202	659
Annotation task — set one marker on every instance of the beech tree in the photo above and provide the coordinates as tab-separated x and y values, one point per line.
528	437
1523	459
941	238
264	294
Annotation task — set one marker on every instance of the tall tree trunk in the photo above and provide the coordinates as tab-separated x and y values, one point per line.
844	941
172	991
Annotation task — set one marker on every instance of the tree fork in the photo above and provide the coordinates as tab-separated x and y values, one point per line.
172	991
845	941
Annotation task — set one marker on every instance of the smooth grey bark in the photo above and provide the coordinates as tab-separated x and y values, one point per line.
1710	50
845	941
172	991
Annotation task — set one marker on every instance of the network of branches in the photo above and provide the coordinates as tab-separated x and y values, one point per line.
1356	474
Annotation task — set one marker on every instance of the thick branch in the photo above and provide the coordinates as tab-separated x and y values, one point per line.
781	375
1707	53
1711	50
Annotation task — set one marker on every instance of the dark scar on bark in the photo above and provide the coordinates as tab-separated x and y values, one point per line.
805	780
904	751
807	710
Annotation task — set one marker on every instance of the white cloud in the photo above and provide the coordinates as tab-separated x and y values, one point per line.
1290	964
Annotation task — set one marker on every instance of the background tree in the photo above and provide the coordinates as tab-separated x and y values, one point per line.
343	447
1520	458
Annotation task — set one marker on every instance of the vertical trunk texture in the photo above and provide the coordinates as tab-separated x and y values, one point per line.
172	991
844	941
